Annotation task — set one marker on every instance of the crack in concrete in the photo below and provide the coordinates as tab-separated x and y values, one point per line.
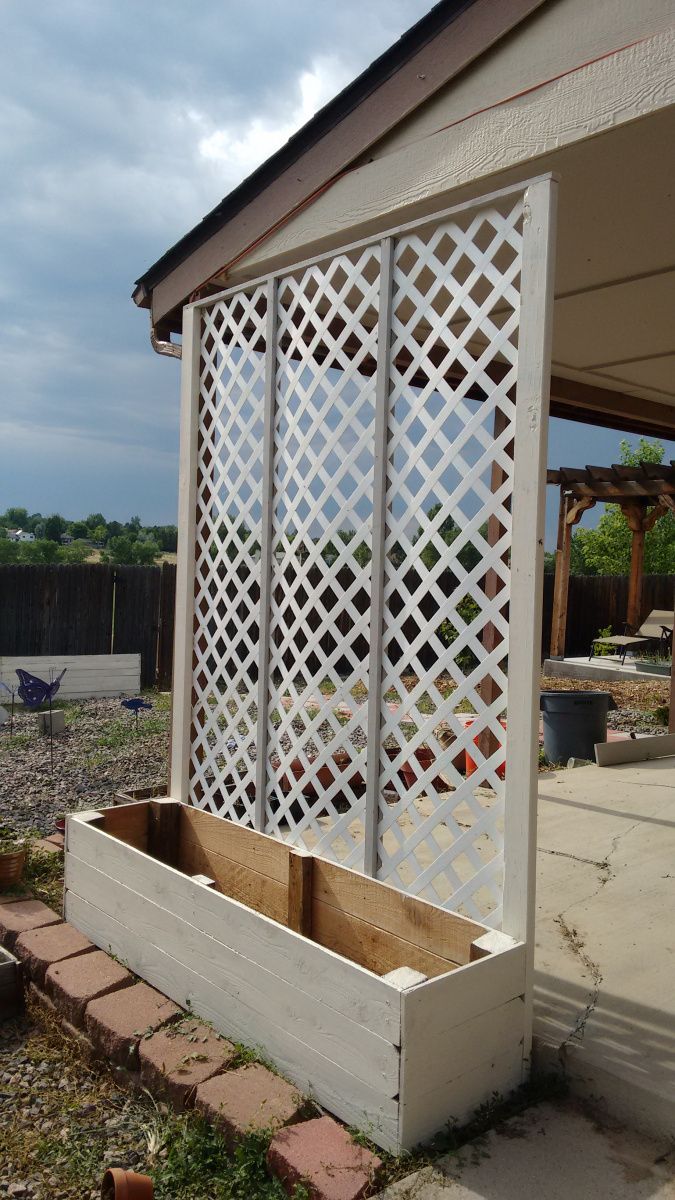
589	862
572	939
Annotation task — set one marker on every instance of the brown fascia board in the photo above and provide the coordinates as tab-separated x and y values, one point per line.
446	41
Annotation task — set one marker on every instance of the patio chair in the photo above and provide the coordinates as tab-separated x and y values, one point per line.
658	627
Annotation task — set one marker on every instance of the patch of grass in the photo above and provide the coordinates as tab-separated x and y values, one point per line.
195	1164
184	1156
122	732
43	874
9	744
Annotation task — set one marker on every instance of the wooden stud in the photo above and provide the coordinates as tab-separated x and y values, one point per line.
164	823
299	916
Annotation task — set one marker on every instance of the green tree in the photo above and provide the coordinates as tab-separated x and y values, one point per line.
54	527
44	550
145	552
76	552
9	552
606	550
120	551
78	530
468	556
95	519
15	518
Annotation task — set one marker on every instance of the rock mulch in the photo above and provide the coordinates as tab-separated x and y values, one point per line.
147	1039
99	754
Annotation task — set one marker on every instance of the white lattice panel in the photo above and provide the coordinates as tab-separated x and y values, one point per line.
455	310
357	421
229	497
321	539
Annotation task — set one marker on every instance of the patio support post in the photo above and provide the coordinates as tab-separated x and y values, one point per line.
527	562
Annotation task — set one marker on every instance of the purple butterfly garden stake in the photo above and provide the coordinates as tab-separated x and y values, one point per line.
135	707
34	692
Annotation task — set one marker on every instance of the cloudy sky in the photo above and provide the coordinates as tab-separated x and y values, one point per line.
121	124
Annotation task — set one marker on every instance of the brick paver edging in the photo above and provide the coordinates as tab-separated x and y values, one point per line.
150	1042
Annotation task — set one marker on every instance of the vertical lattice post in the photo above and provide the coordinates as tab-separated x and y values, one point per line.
527	557
266	552
181	730
371	817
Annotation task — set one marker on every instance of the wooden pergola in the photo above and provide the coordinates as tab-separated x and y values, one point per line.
644	493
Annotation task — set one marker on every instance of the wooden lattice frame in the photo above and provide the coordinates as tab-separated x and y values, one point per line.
337	394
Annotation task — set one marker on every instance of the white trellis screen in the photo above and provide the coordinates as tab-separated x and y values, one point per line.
363	461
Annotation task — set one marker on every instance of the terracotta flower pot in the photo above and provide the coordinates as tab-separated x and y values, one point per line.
126	1185
12	863
413	769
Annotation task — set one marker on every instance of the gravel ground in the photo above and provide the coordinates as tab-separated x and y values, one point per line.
62	1124
99	754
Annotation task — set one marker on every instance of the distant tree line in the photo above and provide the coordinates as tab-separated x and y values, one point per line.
119	543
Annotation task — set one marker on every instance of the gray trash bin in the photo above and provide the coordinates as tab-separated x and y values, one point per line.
573	723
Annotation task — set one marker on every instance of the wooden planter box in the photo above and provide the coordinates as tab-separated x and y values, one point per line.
291	953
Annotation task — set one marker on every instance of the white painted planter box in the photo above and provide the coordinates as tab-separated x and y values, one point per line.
396	1061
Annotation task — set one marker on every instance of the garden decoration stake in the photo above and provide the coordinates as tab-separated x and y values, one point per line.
135	706
34	692
10	692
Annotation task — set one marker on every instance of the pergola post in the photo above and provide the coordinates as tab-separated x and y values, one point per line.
571	513
640	521
561	581
637	555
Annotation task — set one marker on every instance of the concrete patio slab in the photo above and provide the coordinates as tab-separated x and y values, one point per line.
551	1152
605	945
606	667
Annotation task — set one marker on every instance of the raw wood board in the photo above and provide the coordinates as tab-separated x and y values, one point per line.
446	935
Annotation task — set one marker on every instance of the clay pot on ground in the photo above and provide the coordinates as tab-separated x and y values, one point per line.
326	775
126	1185
12	863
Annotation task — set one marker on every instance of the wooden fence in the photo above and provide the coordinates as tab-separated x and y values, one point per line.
90	609
93	609
596	601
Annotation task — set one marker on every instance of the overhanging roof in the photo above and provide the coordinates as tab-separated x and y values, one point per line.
423	60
